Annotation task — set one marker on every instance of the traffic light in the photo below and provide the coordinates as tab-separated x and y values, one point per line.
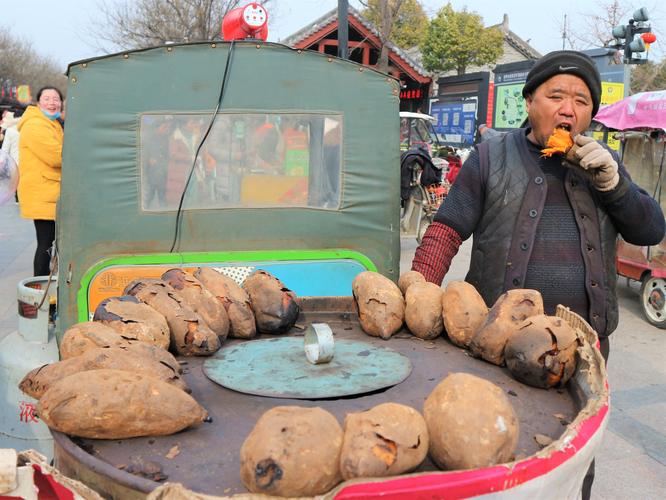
633	45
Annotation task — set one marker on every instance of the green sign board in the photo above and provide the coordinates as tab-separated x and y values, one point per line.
510	109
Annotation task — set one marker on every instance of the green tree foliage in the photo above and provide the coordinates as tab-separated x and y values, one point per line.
648	76
409	24
21	65
457	40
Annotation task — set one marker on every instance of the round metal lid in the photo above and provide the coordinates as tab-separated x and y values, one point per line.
278	368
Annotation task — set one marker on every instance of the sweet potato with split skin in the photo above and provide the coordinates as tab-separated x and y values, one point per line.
242	324
471	423
559	142
463	311
81	337
190	335
409	278
274	305
38	381
115	404
133	319
380	304
423	310
200	300
292	451
508	312
386	440
542	352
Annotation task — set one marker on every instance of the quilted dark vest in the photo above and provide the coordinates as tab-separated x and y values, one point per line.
515	193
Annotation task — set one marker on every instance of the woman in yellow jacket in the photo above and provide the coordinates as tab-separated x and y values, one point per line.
40	154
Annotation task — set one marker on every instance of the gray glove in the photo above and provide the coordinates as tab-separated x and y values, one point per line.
592	157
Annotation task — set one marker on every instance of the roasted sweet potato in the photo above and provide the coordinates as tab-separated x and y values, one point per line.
464	312
242	324
37	381
409	278
559	142
200	300
386	440
115	404
82	337
380	304
471	423
542	352
133	319
292	451
78	338
190	335
509	311
274	305
423	310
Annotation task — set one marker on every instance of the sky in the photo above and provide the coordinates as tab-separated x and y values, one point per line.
61	30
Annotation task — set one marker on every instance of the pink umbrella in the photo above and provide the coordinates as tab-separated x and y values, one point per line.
643	110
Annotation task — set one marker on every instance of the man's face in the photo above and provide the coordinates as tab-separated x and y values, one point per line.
561	101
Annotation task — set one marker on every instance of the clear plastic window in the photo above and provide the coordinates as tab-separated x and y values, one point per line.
247	160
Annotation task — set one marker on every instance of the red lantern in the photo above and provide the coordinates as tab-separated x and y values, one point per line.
649	37
250	21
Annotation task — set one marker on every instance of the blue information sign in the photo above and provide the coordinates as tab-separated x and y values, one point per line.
456	121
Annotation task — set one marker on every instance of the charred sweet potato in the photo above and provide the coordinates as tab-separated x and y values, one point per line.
116	404
133	319
380	304
78	338
200	300
423	310
409	278
471	423
190	335
464	312
274	305
509	311
236	301
38	381
386	440
292	451
542	352
559	142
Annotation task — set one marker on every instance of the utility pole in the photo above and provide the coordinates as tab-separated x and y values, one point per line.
343	28
564	31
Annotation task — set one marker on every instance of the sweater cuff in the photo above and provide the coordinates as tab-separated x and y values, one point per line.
616	193
433	256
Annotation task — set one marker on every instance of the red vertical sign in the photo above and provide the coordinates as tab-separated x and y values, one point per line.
491	104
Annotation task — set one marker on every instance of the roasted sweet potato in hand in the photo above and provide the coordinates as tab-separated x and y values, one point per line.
292	452
133	319
200	300
408	279
508	312
542	352
463	311
274	305
559	142
380	304
190	335
115	404
423	310
37	381
471	423
386	440
236	301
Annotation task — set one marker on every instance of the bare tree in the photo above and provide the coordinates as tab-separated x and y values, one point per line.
21	65
143	23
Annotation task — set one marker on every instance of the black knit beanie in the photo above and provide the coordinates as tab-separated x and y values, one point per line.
566	62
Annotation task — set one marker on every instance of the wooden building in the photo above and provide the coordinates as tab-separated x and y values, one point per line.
364	48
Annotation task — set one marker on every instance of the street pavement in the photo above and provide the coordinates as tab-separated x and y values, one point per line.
631	463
